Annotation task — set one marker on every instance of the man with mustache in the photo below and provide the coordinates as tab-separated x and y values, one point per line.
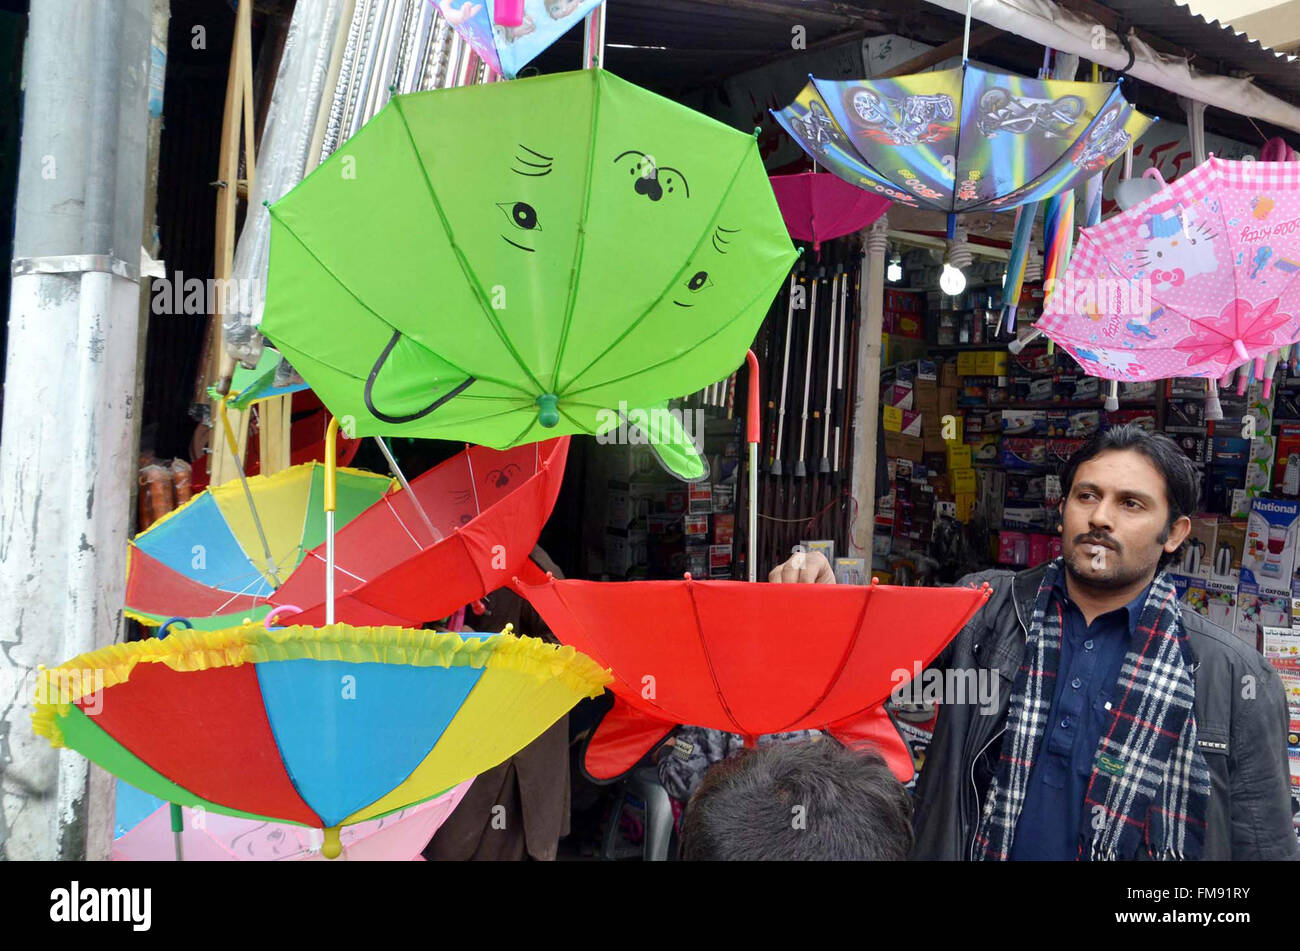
1126	727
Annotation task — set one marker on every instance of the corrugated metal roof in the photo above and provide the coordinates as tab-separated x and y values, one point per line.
1218	48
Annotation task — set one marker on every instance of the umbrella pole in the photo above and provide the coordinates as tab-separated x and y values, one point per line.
331	502
406	487
178	826
753	426
248	493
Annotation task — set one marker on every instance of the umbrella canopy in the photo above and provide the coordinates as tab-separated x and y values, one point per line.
485	511
509	262
818	208
1194	281
145	834
263	381
321	727
206	561
963	139
746	658
509	48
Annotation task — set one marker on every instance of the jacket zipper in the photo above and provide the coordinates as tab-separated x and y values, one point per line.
978	813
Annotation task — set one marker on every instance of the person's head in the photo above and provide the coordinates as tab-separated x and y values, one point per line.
1127	495
798	801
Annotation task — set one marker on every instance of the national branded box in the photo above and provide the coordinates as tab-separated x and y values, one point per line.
1272	532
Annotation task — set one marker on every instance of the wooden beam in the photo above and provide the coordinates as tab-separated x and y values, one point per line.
979	35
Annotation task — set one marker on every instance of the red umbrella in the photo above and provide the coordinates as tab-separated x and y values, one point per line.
818	208
485	510
750	658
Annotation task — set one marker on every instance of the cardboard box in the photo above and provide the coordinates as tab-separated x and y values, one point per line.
963	482
991	363
959	456
699	498
965	502
724	528
898	446
1030	422
948	376
967	365
850	571
1221	603
1272	533
1019	453
824	545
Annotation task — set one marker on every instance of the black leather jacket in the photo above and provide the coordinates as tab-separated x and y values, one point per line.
1241	722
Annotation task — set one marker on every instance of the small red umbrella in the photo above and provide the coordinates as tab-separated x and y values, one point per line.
750	658
818	208
478	517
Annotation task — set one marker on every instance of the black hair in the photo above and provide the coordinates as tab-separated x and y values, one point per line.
799	801
1181	491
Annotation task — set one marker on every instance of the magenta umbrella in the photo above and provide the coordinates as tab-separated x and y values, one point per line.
818	208
1195	281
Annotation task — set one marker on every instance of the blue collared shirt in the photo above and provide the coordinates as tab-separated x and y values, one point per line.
1091	658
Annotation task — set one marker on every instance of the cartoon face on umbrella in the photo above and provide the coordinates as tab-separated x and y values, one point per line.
541	275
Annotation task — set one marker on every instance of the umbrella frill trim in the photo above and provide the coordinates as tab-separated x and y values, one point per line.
195	650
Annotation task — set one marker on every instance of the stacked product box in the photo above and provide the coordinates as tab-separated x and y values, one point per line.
1282	650
1267	566
1192	571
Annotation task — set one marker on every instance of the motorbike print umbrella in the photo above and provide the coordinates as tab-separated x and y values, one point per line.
818	208
1194	281
749	658
507	45
478	516
963	139
146	832
508	262
320	727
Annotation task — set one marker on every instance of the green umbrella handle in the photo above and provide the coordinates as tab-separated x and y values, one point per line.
178	826
548	413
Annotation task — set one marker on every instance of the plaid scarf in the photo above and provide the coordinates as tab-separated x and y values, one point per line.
1149	781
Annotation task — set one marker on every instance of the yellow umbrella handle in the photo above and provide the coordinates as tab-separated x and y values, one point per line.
331	465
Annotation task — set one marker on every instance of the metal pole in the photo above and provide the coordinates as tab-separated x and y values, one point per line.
406	487
593	39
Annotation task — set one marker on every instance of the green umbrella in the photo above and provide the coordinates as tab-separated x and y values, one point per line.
505	263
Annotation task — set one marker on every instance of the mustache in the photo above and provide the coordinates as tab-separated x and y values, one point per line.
1096	539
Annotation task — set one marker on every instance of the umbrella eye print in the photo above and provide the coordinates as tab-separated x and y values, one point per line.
500	478
523	217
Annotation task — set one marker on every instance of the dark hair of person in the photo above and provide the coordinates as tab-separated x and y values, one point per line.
798	801
1162	452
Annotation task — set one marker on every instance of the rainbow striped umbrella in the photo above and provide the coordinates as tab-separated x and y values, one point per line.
217	559
322	727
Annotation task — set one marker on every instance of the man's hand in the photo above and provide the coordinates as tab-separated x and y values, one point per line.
803	567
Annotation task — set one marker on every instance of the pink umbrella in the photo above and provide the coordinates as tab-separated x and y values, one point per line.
1195	281
212	837
818	208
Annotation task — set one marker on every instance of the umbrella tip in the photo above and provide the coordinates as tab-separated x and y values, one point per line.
758	130
687	576
332	848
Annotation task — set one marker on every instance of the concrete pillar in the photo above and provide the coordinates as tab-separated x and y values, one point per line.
67	440
866	405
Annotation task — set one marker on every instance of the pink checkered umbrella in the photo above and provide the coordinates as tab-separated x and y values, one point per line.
1195	281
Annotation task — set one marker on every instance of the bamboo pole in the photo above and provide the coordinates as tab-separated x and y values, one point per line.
866	408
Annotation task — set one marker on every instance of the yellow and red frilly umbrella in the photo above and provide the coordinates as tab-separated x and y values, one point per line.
321	727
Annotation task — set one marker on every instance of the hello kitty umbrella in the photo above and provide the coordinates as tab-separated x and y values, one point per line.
1195	281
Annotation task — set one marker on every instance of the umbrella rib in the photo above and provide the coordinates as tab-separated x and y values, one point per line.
708	660
839	668
740	313
581	250
402	522
708	229
460	255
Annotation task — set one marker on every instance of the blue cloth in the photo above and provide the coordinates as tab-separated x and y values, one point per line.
1091	658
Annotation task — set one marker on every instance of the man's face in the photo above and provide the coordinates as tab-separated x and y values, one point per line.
1115	520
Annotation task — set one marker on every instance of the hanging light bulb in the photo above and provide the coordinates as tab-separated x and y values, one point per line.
952	281
894	273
